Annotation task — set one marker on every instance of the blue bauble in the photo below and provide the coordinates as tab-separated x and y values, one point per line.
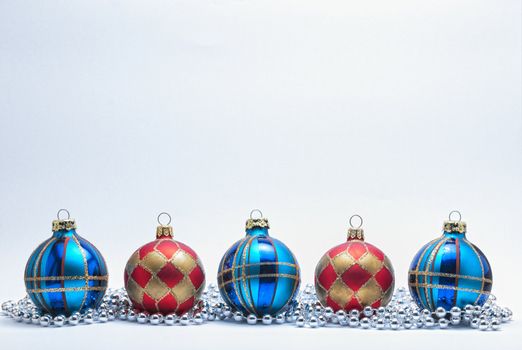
258	275
66	273
450	271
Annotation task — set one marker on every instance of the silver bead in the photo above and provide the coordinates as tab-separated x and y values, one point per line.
26	318
495	324
354	313
365	323
415	314
429	322
395	324
59	321
142	318
35	319
407	324
300	322
169	319
204	314
475	323
267	319
328	312
238	316
426	313
353	322
45	320
455	320
280	319
322	320
483	325
440	312
443	323
477	310
103	317
122	315
341	315
88	318
455	311
154	319
251	319
131	316
211	316
313	322
74	320
111	315
380	324
401	313
380	311
227	311
468	309
197	319
184	320
368	311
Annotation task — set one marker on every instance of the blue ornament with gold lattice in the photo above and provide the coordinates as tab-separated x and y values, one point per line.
258	275
66	273
450	271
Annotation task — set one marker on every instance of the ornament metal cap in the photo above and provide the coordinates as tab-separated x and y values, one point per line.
355	233
454	225
256	222
63	224
164	230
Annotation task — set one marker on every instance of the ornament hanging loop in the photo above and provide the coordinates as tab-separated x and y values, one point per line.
451	225
162	214
256	211
355	232
360	221
455	212
63	211
257	221
164	230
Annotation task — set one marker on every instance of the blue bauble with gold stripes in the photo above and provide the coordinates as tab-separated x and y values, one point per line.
66	273
450	271
258	275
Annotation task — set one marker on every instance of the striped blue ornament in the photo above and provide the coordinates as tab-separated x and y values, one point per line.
258	275
450	271
66	273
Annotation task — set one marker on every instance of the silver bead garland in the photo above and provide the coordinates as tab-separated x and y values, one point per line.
305	311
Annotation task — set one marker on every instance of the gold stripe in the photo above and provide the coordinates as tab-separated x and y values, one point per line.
429	263
440	286
85	268
480	261
67	278
247	293
451	275
256	264
37	262
71	289
233	280
421	257
294	277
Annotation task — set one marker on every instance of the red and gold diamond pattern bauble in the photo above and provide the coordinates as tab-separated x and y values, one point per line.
164	276
353	275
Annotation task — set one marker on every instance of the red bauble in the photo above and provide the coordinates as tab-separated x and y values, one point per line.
164	276
353	275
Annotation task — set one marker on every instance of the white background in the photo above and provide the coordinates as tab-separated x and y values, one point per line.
309	110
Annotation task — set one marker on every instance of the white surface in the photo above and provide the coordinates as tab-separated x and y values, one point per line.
310	110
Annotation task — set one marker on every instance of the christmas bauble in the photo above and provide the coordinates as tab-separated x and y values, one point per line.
66	273
354	274
258	275
450	271
164	276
